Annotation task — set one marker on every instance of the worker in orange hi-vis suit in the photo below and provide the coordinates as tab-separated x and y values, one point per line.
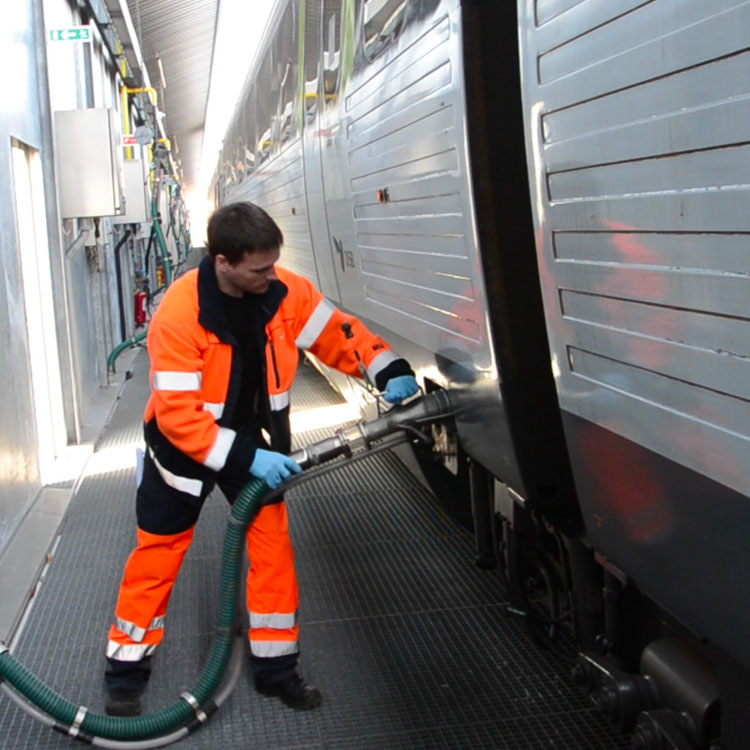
223	345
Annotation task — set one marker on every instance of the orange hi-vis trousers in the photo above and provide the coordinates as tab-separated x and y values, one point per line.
151	571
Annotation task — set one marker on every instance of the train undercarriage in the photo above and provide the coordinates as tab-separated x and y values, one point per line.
666	687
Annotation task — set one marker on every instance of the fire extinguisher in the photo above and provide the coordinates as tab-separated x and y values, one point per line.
139	307
160	277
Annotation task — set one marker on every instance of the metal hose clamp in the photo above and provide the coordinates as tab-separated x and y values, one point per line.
75	727
192	701
354	438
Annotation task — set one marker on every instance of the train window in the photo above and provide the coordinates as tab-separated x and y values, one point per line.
285	59
235	174
249	132
236	169
382	21
232	154
238	139
239	162
313	10
266	111
226	170
331	50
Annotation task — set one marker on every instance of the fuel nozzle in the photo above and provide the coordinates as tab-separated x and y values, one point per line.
361	436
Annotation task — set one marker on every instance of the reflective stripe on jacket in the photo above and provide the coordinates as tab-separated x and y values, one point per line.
195	376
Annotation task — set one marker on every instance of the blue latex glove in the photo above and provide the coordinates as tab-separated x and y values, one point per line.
397	389
273	468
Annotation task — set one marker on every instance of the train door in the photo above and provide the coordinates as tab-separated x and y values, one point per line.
313	97
338	41
329	144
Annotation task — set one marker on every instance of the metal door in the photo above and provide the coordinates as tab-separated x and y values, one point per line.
313	138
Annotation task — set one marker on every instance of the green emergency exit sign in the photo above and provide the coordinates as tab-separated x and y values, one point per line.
72	34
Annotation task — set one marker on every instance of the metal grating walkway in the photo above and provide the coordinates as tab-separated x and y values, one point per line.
406	638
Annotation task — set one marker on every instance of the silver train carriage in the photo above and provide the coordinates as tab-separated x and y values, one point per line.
544	206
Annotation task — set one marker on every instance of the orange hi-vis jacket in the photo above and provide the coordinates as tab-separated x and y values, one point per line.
195	381
193	443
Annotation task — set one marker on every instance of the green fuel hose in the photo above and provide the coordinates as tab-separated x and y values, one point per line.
195	706
120	348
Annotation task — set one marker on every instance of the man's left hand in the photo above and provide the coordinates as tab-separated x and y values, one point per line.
399	388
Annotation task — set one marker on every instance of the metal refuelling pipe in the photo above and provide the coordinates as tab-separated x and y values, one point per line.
360	436
194	707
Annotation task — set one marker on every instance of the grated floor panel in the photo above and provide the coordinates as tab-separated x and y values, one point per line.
407	639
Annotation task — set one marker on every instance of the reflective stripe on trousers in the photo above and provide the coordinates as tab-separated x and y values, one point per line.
272	595
151	571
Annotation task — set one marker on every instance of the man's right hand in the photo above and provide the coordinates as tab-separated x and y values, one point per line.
273	468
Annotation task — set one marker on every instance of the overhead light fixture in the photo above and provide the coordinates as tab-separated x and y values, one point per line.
161	73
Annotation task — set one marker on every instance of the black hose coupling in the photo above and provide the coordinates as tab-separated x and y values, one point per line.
360	436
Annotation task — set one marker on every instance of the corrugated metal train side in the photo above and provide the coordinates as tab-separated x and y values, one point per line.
541	207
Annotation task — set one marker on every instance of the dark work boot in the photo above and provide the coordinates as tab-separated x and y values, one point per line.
293	691
123	702
126	681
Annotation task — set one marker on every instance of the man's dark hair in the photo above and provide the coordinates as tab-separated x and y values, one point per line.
239	228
